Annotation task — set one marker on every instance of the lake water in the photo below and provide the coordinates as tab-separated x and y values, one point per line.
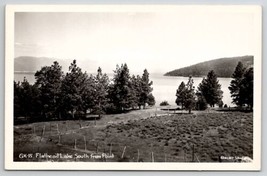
164	87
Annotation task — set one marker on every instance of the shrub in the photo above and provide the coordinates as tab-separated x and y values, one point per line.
110	108
164	103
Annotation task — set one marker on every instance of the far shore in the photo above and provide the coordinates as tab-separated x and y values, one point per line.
24	72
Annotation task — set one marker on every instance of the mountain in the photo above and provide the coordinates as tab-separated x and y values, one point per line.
223	67
28	64
32	64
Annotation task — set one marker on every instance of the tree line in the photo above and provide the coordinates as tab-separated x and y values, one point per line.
56	95
209	90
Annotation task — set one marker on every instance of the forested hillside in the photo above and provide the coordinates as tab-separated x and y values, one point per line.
223	67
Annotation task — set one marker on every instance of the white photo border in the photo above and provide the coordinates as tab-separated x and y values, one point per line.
255	165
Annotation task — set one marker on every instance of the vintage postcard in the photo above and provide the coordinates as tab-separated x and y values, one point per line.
133	87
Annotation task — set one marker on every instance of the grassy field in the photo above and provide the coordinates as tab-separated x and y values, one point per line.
139	136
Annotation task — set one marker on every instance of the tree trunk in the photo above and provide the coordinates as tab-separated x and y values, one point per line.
85	111
72	113
80	123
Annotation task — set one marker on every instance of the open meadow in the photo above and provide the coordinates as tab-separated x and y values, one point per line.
139	136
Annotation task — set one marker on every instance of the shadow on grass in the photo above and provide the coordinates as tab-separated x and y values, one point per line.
234	110
89	116
181	113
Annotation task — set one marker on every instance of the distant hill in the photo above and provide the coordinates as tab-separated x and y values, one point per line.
32	64
223	67
28	64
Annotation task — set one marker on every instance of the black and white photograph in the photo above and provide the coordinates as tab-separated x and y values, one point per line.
133	87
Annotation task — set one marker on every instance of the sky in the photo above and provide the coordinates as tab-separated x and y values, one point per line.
158	41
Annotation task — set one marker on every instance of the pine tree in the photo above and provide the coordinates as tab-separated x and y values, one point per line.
246	88
180	94
102	83
211	89
49	80
236	84
26	99
151	100
186	95
73	87
17	102
190	97
120	90
146	88
88	94
136	91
